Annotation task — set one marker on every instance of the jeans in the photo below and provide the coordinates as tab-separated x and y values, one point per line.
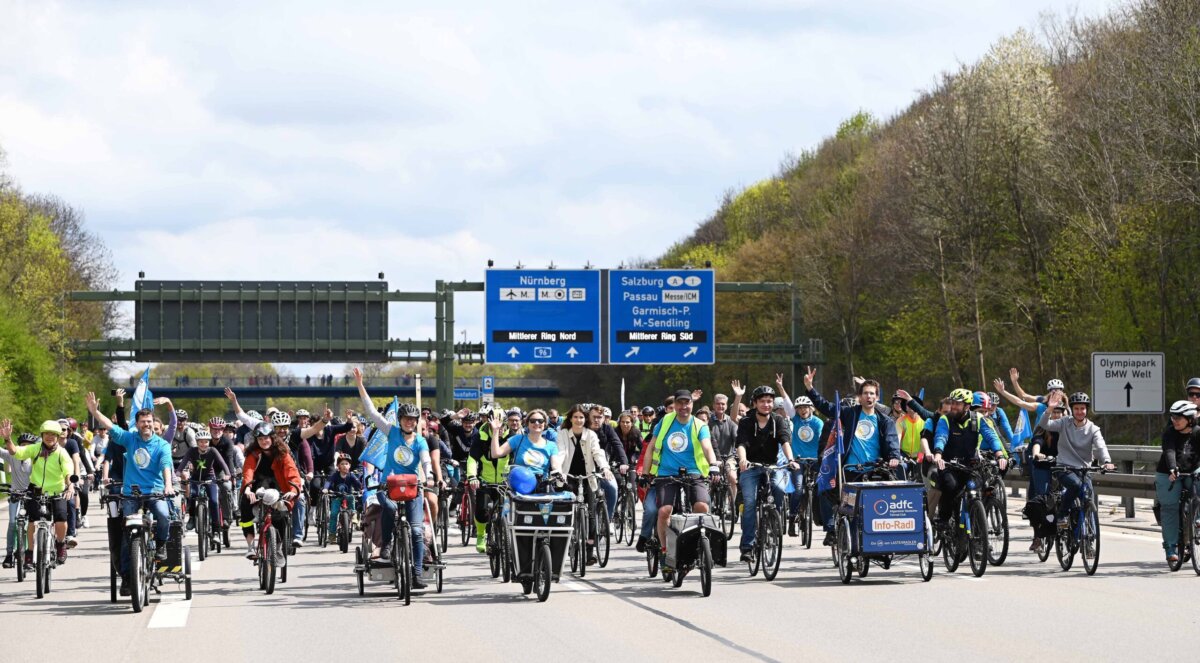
335	507
298	515
748	488
1168	494
610	496
10	541
649	513
1073	486
214	508
797	477
1039	481
415	511
162	525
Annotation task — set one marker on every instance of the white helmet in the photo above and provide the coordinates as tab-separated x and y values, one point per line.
279	418
203	434
1055	384
1183	409
302	413
803	401
268	496
778	403
253	414
608	413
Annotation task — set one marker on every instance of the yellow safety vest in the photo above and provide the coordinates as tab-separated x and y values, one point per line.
697	448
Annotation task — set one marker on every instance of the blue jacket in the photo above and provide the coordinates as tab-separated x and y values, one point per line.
889	441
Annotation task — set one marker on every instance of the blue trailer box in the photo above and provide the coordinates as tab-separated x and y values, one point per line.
890	514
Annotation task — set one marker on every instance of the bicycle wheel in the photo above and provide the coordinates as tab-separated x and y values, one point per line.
772	544
619	524
631	520
652	548
997	532
1062	548
402	564
19	556
360	562
1043	553
137	571
1193	526
343	531
323	522
806	520
925	562
730	519
505	554
603	537
950	543
1089	545
493	548
704	563
201	519
466	518
977	542
582	544
187	573
541	573
41	564
270	550
444	523
842	551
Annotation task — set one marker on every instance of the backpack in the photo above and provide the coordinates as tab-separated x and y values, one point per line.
1040	514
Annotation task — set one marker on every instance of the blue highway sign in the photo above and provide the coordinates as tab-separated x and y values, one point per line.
466	394
549	316
661	316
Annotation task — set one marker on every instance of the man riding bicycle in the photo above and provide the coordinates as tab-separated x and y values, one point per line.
760	438
680	443
959	436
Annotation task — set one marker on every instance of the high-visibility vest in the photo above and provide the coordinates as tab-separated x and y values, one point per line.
697	449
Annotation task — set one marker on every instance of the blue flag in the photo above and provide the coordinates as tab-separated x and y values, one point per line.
831	458
143	399
1023	431
375	451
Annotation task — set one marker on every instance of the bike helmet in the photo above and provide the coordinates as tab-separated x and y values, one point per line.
513	411
52	427
848	402
72	424
203	434
759	392
778	404
303	413
230	425
216	422
1079	398
1183	409
995	398
63	424
522	480
268	496
407	410
660	411
803	401
607	413
279	418
980	400
471	417
962	396
181	415
253	414
1055	384
27	438
648	411
1194	383
485	410
263	429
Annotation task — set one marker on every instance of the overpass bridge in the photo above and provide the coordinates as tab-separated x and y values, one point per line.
337	387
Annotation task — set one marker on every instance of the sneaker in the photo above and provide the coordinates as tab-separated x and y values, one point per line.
83	522
792	529
297	543
8	561
124	590
641	544
251	554
748	556
1036	546
60	552
160	553
71	542
385	551
1172	558
830	539
480	546
417	583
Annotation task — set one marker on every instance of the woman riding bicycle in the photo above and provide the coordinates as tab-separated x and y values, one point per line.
1180	457
268	465
531	450
628	433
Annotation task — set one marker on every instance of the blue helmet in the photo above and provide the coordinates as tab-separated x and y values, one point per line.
522	480
980	399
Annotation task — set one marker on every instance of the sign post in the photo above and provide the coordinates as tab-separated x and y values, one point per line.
548	316
487	389
1128	382
661	316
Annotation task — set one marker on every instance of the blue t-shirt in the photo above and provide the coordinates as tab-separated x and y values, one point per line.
401	457
864	443
806	435
526	454
145	460
677	451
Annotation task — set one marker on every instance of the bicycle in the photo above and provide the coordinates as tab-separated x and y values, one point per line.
20	526
45	559
680	558
724	505
442	531
966	532
767	552
874	471
1082	531
206	535
272	553
802	520
995	503
496	534
145	572
1189	529
347	511
591	517
466	511
321	514
624	517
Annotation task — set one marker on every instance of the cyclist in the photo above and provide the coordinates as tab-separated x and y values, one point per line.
149	468
343	482
407	454
1036	406
645	422
982	404
221	433
723	430
806	433
269	465
351	444
1180	457
208	465
1079	441
531	450
959	436
680	443
184	439
18	477
760	438
485	471
909	425
49	473
583	456
628	434
871	435
610	442
1193	391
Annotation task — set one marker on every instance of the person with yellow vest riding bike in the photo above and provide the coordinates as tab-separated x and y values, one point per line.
484	472
680	442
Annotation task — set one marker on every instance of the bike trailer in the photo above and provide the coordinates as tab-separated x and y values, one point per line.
888	517
683	534
531	517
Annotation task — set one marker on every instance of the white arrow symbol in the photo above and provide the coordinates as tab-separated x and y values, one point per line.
691	351
513	352
632	351
572	352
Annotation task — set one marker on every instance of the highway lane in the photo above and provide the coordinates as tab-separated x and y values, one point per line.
1131	608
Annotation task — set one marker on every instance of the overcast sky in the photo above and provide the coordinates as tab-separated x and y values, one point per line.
314	141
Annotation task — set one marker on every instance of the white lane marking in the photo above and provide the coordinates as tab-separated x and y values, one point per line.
578	587
171	612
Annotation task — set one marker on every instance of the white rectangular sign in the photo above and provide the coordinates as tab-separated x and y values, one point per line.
1128	382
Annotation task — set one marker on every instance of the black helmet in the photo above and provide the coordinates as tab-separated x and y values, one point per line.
263	429
1079	398
759	392
661	411
407	410
27	438
648	411
1194	383
849	402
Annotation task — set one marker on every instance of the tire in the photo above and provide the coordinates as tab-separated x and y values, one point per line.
771	545
1089	546
704	563
360	562
998	535
977	543
842	551
541	573
631	519
400	553
41	565
444	524
20	554
950	543
112	582
505	555
466	517
187	573
137	569
493	551
619	525
677	578
863	566
603	538
267	565
343	533
926	564
730	519
582	544
806	521
652	548
201	527
1062	548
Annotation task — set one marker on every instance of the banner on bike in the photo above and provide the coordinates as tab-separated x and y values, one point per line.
893	515
831	458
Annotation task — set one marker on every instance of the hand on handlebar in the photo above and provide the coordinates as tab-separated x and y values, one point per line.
937	460
743	465
289	496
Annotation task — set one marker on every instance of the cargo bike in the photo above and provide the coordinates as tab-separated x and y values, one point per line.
879	522
695	541
397	569
539	528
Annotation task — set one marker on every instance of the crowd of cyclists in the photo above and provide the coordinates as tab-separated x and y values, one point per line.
462	459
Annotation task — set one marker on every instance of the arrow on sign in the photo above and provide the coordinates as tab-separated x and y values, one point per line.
632	351
513	352
691	351
572	352
1128	392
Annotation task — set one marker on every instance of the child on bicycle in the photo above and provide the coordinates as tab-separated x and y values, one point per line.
343	482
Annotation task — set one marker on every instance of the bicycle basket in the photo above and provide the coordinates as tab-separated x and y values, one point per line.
402	487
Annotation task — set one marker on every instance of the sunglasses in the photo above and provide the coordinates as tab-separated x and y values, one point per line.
536	421
1194	394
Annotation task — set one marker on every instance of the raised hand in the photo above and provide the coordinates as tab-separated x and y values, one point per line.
998	384
6	429
738	389
230	395
1014	374
809	374
92	402
120	398
779	380
358	376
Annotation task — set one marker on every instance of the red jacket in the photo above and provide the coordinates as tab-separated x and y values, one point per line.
284	469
